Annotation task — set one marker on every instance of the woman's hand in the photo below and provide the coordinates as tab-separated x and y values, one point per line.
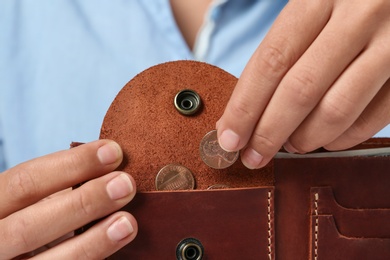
320	78
38	210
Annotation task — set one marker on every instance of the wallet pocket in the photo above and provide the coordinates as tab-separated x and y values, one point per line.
328	243
344	233
356	222
224	224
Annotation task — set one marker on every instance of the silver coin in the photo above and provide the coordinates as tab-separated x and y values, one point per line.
213	155
218	187
175	177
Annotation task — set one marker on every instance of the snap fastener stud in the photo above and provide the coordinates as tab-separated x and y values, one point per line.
187	102
189	249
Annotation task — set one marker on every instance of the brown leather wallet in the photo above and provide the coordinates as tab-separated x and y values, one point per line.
294	208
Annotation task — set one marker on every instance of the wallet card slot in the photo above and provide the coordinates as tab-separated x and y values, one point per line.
328	243
368	223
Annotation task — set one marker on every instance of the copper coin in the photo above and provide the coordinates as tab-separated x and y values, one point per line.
218	187
213	155
175	177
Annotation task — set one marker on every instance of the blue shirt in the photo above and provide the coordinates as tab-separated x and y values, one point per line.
62	62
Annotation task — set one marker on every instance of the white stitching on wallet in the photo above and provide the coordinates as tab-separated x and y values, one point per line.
269	226
316	197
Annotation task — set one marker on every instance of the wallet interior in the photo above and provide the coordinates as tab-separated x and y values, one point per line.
297	208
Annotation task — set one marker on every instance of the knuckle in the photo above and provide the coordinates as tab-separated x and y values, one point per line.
83	204
303	89
242	111
86	253
335	113
361	130
303	147
16	235
264	144
305	77
21	184
276	61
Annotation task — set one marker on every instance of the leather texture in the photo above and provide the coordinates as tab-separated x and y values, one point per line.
330	244
230	224
302	187
360	233
305	208
153	134
351	222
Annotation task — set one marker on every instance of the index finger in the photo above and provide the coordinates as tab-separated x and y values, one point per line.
34	180
287	40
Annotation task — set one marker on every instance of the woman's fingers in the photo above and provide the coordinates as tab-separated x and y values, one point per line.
345	101
375	117
314	85
303	86
41	223
34	180
287	40
98	242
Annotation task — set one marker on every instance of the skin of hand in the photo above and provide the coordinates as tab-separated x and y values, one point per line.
320	78
38	206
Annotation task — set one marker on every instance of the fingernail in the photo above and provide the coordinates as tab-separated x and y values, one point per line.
120	229
229	140
109	153
119	187
251	159
289	148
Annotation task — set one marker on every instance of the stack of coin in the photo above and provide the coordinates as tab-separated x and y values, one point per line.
178	177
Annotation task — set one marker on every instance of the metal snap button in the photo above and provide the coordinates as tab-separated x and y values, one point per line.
189	249
187	102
